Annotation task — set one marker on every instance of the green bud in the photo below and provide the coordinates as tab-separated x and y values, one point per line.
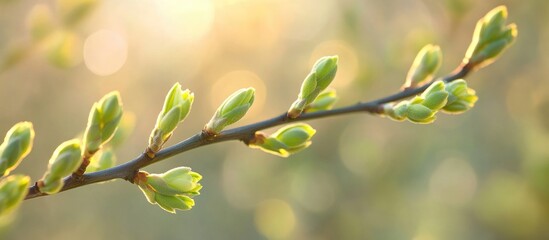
102	122
16	146
320	77
396	112
435	96
73	11
418	113
40	22
491	38
102	160
426	64
64	161
13	190
324	101
177	106
401	110
52	186
436	100
179	180
172	203
287	140
461	98
231	110
422	108
171	190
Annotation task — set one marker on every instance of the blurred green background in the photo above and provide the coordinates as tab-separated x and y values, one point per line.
480	175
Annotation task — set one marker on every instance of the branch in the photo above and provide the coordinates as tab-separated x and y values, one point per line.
128	170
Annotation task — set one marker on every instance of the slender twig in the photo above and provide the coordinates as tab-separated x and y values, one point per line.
245	133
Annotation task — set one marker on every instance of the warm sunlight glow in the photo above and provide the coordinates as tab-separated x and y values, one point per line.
105	52
185	20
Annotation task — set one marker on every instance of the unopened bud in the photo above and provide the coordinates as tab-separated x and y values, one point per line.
16	146
231	110
320	77
102	122
426	64
420	109
170	203
179	180
491	37
13	190
435	96
177	106
287	140
172	190
461	98
64	161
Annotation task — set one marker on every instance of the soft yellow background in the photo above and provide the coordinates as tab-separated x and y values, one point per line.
480	175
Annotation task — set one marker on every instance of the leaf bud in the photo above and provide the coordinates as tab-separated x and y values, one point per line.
102	122
177	106
461	98
64	161
16	146
425	65
13	190
320	77
287	140
491	37
231	110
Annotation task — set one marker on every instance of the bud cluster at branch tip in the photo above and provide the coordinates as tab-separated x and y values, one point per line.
422	108
320	77
13	190
491	37
16	146
102	122
65	160
231	110
177	106
171	190
426	64
460	98
287	140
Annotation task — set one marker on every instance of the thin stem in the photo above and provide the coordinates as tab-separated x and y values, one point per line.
245	133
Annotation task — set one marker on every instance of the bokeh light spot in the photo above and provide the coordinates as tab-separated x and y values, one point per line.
275	219
185	20
105	52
